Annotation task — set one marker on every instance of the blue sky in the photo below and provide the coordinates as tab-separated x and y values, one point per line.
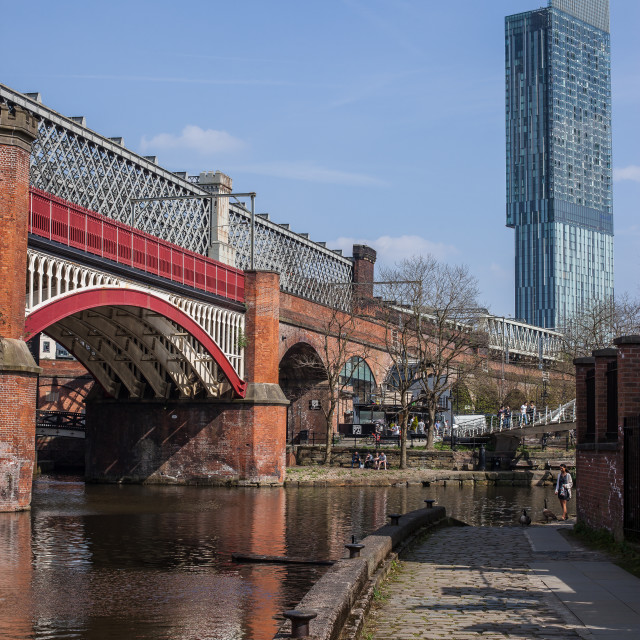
372	121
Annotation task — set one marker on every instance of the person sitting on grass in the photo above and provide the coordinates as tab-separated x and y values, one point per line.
355	460
381	461
368	461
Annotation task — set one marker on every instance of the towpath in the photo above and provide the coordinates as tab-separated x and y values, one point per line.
518	583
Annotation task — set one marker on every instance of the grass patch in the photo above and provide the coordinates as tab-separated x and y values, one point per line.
624	554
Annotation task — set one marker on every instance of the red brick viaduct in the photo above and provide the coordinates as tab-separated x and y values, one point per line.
237	440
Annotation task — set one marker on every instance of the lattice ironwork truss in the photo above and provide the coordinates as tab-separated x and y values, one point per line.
75	163
520	338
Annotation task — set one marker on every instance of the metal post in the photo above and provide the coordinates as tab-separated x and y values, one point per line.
253	230
211	224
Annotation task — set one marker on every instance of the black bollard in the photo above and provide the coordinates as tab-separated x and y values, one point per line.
299	622
482	459
430	502
354	549
395	518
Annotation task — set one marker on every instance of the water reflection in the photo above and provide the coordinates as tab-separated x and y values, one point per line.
104	561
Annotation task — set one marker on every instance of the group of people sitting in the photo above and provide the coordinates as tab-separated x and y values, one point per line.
379	461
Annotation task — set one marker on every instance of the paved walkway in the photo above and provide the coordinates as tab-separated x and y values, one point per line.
490	583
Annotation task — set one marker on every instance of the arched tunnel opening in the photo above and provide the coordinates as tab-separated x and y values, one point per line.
303	379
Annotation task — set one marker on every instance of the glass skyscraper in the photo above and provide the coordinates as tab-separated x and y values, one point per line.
558	124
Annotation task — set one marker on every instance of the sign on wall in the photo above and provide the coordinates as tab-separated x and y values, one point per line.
314	405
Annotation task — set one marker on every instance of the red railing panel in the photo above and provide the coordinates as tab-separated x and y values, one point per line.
110	240
59	223
71	225
77	229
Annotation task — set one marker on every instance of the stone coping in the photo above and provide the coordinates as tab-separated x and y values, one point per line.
338	590
633	339
310	476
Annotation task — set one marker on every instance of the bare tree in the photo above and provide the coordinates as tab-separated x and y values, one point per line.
439	304
596	326
338	329
401	346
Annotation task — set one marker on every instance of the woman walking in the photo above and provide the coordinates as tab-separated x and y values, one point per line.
563	489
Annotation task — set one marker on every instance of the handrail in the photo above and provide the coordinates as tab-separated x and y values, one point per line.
493	424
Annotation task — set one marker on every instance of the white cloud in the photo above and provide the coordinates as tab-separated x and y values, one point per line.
312	173
205	142
632	172
394	249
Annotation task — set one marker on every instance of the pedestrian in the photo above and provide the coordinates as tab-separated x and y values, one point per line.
523	414
531	408
437	427
355	460
501	416
421	426
563	489
507	417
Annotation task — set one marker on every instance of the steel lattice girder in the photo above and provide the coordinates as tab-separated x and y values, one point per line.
306	269
521	338
83	167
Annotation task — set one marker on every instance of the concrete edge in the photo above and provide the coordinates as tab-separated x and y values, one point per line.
341	587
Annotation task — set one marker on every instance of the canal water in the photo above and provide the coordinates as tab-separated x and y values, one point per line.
96	562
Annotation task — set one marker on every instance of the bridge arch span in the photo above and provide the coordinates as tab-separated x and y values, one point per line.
136	341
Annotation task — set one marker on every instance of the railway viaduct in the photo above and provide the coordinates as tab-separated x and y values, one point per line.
189	311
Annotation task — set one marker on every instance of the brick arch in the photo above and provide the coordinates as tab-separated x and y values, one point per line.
301	364
62	309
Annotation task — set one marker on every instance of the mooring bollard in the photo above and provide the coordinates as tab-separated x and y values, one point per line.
395	517
430	502
299	622
354	549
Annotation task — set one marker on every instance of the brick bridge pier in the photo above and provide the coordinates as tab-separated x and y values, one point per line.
237	437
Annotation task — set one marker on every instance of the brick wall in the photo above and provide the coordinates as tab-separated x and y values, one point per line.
364	259
17	368
63	386
190	442
262	298
599	489
17	439
599	460
17	130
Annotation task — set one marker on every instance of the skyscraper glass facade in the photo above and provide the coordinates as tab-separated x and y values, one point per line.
558	125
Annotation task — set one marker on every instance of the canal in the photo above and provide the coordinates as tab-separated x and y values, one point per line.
93	562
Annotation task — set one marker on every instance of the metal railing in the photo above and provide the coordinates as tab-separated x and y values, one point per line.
60	420
60	221
565	413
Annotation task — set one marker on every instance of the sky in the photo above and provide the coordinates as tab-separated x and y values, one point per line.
356	121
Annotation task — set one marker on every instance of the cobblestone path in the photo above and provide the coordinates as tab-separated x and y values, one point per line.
471	582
